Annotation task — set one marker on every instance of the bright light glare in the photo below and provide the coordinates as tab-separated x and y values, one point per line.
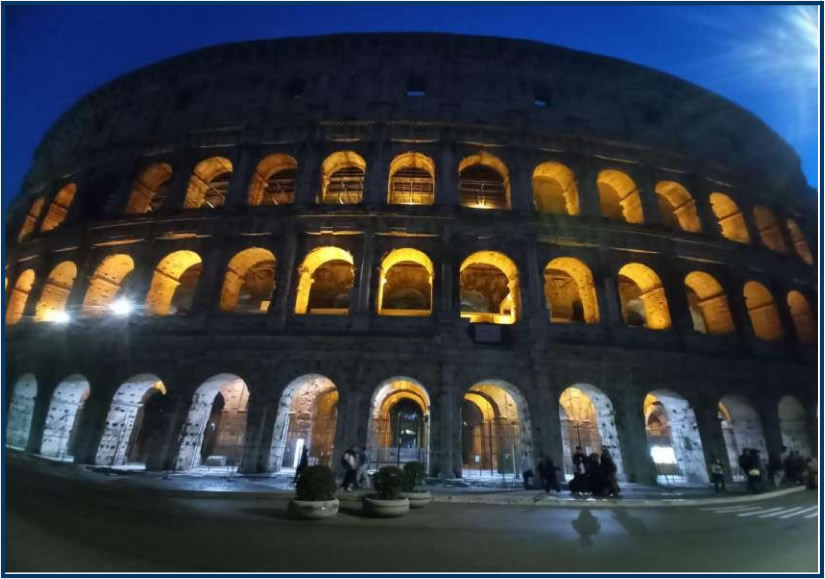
121	307
663	454
58	317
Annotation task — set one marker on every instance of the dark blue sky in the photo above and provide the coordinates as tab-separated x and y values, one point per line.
762	57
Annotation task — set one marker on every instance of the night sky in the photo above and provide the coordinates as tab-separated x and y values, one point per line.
762	57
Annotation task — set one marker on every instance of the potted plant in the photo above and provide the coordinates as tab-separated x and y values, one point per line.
387	500
414	473
315	490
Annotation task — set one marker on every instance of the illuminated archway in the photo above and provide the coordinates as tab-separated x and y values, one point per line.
587	420
63	417
342	178
412	180
150	189
19	297
708	304
569	292
107	283
555	190
800	244
793	426
803	318
767	325
399	424
209	183
326	278
249	281
274	181
619	197
21	408
56	292
673	439
490	291
642	297
483	182
59	208
307	418
741	429
405	284
30	219
174	283
677	207
769	229
215	427
730	218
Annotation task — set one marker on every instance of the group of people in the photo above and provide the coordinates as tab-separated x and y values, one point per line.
786	467
355	463
594	474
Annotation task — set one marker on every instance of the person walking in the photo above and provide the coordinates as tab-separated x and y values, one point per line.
362	479
551	481
609	471
303	463
348	462
754	471
717	474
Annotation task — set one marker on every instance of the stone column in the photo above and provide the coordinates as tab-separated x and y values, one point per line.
750	223
446	179
260	420
547	422
163	458
377	177
41	274
587	185
630	425
521	186
39	412
207	296
768	410
284	282
648	197
710	225
536	311
238	194
710	432
309	175
448	455
365	275
179	183
90	429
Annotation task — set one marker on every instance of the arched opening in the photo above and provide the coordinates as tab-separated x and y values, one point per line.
730	219
19	297
496	439
399	425
708	304
673	439
412	180
769	229
174	283
800	244
619	197
213	434
569	291
64	416
325	282
741	429
793	426
59	208
274	181
490	291
677	207
30	220
483	182
767	325
342	178
587	421
108	283
555	190
803	318
55	294
307	418
21	408
134	430
642	298
405	284
209	183
150	189
249	282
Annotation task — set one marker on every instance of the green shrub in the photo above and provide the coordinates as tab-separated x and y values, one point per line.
316	483
387	482
414	473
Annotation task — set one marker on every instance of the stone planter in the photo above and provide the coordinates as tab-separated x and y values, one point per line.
418	498
375	507
313	509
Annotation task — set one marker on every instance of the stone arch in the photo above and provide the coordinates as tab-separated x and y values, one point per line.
569	291
405	283
483	182
307	417
677	207
673	439
490	292
325	281
19	297
342	178
741	429
107	283
769	229
209	183
52	303
174	283
215	428
708	304
764	315
412	180
800	244
803	318
249	281
274	180
63	417
793	425
643	298
128	437
399	423
619	197
555	190
21	409
730	218
496	432
31	217
588	421
59	208
150	189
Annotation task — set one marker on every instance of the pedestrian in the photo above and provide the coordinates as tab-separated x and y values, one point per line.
362	479
348	462
593	474
811	473
774	468
717	474
744	460
754	471
551	481
609	471
579	459
303	463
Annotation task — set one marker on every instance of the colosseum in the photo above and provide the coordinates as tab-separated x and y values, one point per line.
464	251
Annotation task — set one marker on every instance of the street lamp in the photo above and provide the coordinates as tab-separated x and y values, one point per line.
121	307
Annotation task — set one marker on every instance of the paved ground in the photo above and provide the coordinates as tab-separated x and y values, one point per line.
65	524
